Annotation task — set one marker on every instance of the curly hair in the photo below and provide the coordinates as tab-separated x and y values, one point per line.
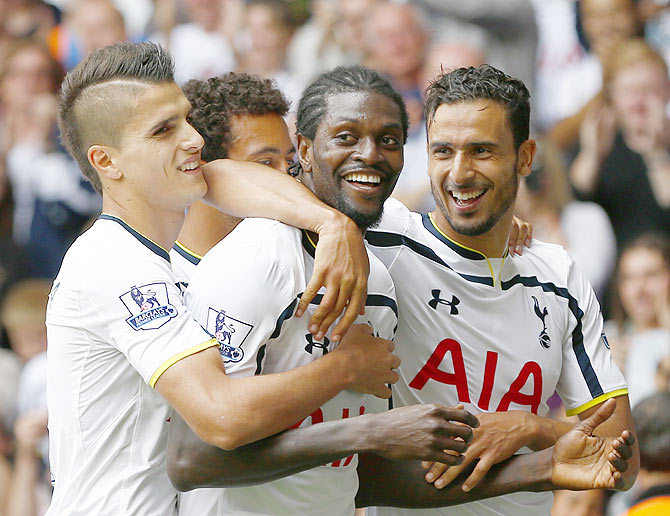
482	82
214	101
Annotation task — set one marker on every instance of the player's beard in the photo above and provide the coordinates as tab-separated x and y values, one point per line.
507	198
362	220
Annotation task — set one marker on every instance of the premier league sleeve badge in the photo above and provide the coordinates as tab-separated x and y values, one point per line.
149	306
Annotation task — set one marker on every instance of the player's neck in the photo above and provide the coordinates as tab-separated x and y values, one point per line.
204	227
160	226
491	244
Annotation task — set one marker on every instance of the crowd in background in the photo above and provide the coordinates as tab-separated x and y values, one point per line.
600	186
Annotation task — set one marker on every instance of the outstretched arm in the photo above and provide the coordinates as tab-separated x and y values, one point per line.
579	460
418	431
246	189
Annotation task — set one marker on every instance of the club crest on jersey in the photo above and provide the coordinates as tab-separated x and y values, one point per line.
229	332
149	306
545	340
453	304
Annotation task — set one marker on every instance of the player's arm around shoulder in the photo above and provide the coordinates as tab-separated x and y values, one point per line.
254	295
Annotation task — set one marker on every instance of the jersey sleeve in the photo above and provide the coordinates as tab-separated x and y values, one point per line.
589	375
237	295
142	315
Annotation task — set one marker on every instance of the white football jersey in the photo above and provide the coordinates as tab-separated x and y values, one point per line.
493	334
115	322
244	293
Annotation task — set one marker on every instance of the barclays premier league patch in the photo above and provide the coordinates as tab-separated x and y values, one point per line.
149	306
229	332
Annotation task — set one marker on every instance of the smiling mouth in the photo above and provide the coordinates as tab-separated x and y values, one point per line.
466	198
363	179
190	166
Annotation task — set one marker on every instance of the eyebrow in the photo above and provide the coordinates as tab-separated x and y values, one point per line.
163	122
390	125
470	145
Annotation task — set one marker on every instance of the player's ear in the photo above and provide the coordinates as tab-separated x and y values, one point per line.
101	158
305	153
525	156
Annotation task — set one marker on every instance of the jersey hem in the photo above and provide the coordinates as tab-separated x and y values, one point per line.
173	360
596	401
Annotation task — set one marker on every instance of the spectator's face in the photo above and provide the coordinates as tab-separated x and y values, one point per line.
356	154
158	152
473	167
607	23
28	74
350	26
205	13
98	25
266	31
396	41
261	139
638	93
644	284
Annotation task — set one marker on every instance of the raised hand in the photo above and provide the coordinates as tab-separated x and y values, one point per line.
372	361
425	432
582	460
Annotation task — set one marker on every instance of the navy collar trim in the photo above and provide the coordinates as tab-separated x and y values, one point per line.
152	246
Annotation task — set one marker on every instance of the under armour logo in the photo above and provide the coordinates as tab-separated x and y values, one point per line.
545	340
438	301
311	344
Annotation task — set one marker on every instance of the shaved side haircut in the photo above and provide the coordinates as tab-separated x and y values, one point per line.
99	95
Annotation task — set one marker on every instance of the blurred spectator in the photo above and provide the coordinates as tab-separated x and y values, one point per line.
10	365
605	24
506	29
333	36
655	14
28	18
262	45
583	228
652	423
22	314
639	336
27	72
49	208
199	46
397	37
88	24
623	162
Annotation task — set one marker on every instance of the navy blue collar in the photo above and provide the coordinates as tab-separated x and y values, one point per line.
152	246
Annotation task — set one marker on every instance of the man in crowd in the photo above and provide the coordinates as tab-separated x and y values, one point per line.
123	348
351	125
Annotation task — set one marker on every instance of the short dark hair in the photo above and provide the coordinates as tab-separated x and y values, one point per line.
651	417
96	96
312	105
482	82
214	101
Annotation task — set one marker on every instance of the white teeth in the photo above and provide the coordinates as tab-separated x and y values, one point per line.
192	165
363	178
465	196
